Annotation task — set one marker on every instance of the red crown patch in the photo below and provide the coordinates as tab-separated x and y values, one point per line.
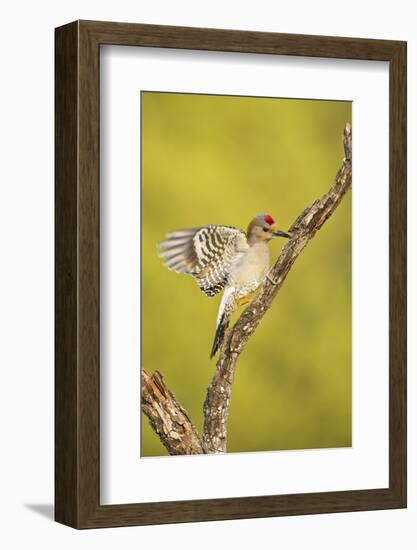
269	219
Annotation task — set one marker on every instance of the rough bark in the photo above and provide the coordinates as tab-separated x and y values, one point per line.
168	418
217	402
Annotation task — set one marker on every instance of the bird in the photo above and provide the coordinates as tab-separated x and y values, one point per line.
223	258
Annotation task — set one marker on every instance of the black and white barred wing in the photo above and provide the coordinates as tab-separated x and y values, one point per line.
207	253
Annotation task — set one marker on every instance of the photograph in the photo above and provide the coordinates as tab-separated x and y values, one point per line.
209	258
230	259
224	180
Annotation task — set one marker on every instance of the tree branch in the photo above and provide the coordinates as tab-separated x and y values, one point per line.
167	417
217	403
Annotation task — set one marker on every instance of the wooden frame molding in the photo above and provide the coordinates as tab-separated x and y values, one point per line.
77	360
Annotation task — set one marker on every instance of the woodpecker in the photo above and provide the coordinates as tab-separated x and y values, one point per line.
221	257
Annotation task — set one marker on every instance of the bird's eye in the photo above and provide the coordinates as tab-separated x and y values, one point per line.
265	229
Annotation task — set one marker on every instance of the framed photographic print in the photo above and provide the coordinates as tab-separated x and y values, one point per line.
230	274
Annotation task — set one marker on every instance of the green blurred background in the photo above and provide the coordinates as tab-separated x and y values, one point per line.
222	160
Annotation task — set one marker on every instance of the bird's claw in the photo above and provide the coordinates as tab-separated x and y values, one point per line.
272	281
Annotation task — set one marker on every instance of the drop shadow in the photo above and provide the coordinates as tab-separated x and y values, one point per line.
45	510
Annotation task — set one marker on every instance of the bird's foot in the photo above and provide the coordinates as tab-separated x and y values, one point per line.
245	299
272	281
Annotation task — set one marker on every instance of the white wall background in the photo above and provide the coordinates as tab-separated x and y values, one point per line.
26	274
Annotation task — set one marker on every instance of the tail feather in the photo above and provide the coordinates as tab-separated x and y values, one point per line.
219	336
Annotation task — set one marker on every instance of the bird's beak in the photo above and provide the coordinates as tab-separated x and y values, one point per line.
280	233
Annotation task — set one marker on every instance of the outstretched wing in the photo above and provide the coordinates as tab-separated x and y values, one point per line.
207	253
